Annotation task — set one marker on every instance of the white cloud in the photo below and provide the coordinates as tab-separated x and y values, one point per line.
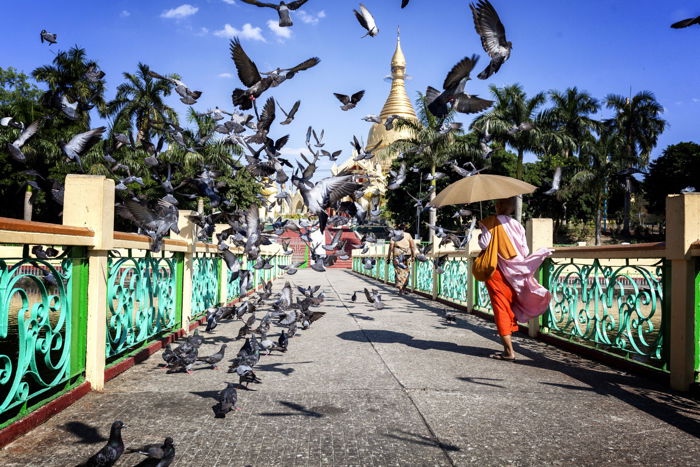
183	11
248	32
309	18
282	33
695	99
124	13
202	32
225	75
230	2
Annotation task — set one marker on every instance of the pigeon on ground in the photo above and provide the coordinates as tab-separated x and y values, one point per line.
366	21
110	453
349	102
285	19
227	401
214	358
283	341
163	453
196	339
493	36
246	375
354	297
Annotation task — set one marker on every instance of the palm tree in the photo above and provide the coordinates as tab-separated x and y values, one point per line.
638	122
512	110
434	147
571	113
67	77
139	103
601	171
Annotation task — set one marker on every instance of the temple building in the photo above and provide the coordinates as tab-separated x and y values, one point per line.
376	169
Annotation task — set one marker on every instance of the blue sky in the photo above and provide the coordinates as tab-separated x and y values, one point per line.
600	46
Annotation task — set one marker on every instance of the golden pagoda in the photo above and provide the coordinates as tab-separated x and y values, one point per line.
397	103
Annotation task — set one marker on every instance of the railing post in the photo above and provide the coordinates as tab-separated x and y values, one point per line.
540	234
682	230
89	202
471	283
188	234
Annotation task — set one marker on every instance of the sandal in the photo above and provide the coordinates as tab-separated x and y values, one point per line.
500	356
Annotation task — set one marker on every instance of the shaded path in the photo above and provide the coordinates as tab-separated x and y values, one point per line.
396	386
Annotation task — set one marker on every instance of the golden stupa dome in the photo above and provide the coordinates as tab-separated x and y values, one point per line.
397	103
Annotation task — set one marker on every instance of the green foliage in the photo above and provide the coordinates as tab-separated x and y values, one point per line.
677	168
138	108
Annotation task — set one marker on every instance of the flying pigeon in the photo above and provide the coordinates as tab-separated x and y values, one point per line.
366	21
47	36
349	102
493	36
282	8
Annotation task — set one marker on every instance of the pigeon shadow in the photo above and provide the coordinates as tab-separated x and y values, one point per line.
568	386
381	336
479	380
87	434
360	316
421	440
207	394
218	340
297	408
277	367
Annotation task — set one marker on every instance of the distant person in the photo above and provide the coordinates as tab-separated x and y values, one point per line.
508	269
406	247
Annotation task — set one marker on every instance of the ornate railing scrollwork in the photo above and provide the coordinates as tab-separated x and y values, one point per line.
205	283
140	300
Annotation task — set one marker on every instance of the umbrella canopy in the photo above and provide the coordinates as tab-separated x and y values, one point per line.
481	188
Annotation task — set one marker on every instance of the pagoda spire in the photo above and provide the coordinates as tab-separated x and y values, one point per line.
398	102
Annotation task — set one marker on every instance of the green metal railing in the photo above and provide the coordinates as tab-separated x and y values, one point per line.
454	280
205	282
141	299
42	330
616	308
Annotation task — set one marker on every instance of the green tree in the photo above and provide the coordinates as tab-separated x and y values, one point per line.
677	168
638	123
511	111
139	104
600	173
429	147
67	77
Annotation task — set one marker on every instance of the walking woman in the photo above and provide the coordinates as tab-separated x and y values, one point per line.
402	253
507	267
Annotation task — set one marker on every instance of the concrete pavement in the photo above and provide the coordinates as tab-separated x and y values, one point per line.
398	386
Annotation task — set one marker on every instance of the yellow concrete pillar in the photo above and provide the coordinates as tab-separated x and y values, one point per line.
539	233
188	233
682	230
89	202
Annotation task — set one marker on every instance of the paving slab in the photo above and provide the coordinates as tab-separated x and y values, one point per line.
397	386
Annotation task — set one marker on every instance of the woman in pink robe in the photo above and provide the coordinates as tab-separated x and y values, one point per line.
530	299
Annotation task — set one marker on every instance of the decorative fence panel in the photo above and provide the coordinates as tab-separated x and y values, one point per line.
424	276
205	282
616	307
42	329
454	280
482	301
141	294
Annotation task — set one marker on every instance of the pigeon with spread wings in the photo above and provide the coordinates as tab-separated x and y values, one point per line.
349	102
493	36
283	8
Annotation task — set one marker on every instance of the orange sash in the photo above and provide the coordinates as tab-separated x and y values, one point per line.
487	261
